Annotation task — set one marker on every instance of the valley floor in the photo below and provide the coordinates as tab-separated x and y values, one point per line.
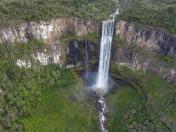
64	108
142	103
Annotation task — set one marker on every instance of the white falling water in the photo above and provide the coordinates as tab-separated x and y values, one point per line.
105	54
101	87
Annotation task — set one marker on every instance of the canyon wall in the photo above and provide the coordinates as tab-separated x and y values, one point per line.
47	31
148	43
140	61
147	37
50	32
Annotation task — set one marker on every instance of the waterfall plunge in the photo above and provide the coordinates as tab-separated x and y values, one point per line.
105	54
102	85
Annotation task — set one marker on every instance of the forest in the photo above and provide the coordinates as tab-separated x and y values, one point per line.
156	13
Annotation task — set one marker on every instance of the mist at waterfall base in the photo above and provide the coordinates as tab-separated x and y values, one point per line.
91	79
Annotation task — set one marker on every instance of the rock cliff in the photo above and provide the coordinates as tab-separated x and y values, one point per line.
50	33
142	62
146	38
47	31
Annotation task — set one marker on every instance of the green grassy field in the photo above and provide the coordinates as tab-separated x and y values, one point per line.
63	109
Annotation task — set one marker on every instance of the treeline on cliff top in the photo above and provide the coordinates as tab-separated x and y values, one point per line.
157	13
36	10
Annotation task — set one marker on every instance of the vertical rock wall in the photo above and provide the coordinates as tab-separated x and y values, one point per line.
46	31
149	40
147	37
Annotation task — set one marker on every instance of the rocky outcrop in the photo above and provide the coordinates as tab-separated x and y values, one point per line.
139	61
47	31
69	55
146	37
47	55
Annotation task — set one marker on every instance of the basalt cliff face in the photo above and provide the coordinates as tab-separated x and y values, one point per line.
145	38
143	46
47	31
149	38
140	61
50	33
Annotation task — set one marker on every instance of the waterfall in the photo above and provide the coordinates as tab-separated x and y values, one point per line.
102	79
105	54
101	86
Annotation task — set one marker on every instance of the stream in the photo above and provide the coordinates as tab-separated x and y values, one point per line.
102	112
